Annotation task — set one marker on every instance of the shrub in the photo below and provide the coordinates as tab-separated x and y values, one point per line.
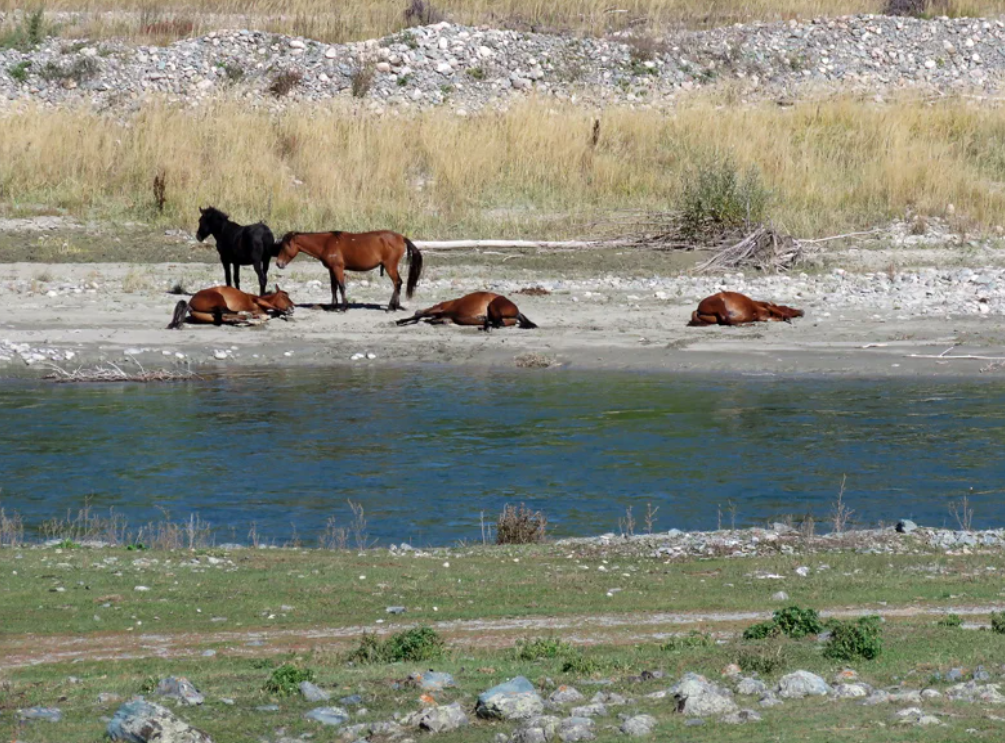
82	69
950	620
763	659
19	72
998	622
285	81
761	631
539	648
577	662
717	197
796	622
422	13
28	34
417	644
285	679
851	640
361	79
916	8
520	526
692	639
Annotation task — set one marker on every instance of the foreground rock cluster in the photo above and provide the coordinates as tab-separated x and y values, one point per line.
470	67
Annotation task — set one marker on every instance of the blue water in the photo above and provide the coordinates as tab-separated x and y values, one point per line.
427	451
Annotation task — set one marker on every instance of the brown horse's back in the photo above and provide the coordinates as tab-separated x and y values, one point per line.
503	312
222	298
224	303
733	308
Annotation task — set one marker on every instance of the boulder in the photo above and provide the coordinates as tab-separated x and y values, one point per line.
573	729
49	714
638	725
539	729
431	680
741	717
139	721
750	687
802	684
697	697
180	688
312	693
328	715
443	718
565	695
515	699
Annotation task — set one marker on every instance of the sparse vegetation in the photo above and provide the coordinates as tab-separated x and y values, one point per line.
791	621
284	82
414	645
81	69
998	622
951	620
520	525
719	196
27	34
691	640
19	71
541	648
361	79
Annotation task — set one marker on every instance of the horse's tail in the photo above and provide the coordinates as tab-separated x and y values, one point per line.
179	315
270	247
414	267
524	321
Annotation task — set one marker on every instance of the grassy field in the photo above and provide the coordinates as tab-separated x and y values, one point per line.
827	167
162	21
260	608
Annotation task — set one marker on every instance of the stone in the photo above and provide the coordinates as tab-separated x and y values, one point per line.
573	729
851	691
443	718
779	596
333	716
638	725
749	687
802	684
770	699
395	610
741	717
538	729
312	693
697	697
565	695
610	698
431	680
353	700
48	714
515	699
906	526
139	721
971	691
180	688
589	710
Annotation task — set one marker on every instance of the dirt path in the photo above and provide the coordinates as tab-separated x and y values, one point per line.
28	650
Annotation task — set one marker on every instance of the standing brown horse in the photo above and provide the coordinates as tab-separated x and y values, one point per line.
733	308
224	304
480	308
356	251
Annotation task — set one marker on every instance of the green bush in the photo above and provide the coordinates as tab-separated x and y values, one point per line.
851	640
717	197
692	639
539	648
790	621
417	644
950	620
28	34
762	659
577	662
998	622
19	71
287	678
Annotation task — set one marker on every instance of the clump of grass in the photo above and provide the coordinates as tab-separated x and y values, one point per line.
644	47
86	525
416	644
19	72
520	525
287	678
81	69
852	640
916	8
791	621
27	34
11	529
718	197
764	659
541	648
690	641
233	72
950	620
998	622
284	82
579	663
422	13
362	76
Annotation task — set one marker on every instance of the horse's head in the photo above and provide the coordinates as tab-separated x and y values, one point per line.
288	249
210	220
278	301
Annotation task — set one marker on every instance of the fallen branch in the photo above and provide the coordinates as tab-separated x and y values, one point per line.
114	373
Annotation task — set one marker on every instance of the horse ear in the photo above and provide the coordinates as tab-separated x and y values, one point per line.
277	288
201	210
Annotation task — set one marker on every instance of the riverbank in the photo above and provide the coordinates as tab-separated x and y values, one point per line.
876	311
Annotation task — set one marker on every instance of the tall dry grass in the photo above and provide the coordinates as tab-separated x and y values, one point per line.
164	20
830	166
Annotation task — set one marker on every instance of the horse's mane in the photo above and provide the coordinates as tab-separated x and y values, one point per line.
288	236
212	211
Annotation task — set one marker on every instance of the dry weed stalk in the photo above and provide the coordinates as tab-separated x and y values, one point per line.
650	520
963	513
840	513
627	523
112	372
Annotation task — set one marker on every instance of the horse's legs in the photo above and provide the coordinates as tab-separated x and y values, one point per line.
260	269
226	270
237	275
392	272
338	282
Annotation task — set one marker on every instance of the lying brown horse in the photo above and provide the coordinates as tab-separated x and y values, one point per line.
733	308
356	251
224	304
480	308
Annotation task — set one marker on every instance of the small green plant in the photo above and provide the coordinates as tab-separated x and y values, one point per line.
404	80
579	663
148	685
137	547
28	34
761	631
998	622
539	648
950	620
262	663
82	69
67	544
851	640
692	639
477	73
763	659
285	679
790	621
19	71
416	644
233	71
717	197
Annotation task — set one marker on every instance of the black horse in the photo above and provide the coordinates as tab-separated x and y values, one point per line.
251	245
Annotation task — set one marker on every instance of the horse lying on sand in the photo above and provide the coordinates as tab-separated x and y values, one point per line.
223	304
480	308
248	245
356	251
733	308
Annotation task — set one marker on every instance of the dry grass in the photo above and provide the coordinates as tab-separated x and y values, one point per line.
159	21
829	167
